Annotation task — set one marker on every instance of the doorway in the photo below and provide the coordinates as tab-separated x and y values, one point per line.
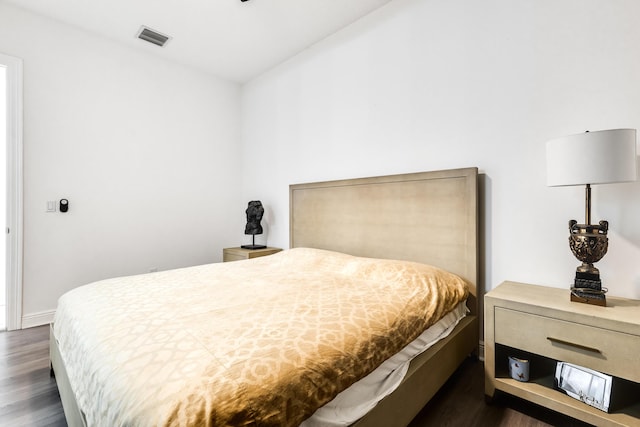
3	196
11	192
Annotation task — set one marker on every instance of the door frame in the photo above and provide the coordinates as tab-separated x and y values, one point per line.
14	226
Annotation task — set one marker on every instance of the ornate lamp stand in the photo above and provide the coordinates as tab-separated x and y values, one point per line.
589	243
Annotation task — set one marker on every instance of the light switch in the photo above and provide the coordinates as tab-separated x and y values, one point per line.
51	205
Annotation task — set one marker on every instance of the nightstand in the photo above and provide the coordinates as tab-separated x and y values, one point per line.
236	254
540	324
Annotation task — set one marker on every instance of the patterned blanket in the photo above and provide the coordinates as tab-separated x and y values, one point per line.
261	342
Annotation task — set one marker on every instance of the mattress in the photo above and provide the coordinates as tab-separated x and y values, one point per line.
266	341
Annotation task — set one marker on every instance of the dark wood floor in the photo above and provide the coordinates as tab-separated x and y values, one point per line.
29	396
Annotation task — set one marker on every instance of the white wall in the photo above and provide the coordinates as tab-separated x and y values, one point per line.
433	84
144	150
147	151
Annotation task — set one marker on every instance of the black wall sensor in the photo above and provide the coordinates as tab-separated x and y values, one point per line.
64	205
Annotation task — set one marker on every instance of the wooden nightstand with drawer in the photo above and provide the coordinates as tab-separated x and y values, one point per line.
542	325
236	254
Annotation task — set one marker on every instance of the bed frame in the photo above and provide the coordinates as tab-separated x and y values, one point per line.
429	217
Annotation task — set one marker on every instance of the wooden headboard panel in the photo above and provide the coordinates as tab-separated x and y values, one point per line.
428	217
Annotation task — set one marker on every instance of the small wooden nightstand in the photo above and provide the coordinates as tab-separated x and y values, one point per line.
236	254
541	324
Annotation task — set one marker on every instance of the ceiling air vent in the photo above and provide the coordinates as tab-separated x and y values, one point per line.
152	36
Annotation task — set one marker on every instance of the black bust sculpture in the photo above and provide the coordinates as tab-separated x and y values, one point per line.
254	216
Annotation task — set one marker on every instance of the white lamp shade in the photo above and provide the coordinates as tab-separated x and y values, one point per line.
599	157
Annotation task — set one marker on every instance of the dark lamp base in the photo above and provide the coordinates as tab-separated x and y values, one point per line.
587	288
593	299
253	247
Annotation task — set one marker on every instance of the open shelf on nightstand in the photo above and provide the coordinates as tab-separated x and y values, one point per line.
541	389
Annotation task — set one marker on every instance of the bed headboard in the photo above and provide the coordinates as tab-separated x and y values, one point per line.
428	217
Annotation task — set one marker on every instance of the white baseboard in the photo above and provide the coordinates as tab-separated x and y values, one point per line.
37	319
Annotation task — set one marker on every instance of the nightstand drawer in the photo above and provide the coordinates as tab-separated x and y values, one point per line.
228	256
614	353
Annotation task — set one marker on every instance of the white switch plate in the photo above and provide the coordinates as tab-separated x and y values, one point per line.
51	205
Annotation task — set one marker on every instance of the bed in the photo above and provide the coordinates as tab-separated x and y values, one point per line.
428	218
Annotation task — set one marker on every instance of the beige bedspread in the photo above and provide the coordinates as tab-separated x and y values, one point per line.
262	342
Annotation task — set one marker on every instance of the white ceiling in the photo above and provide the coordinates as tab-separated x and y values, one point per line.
232	39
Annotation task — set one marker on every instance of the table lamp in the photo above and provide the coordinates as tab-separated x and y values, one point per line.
588	158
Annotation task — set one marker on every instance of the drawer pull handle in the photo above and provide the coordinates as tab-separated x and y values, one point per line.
571	344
